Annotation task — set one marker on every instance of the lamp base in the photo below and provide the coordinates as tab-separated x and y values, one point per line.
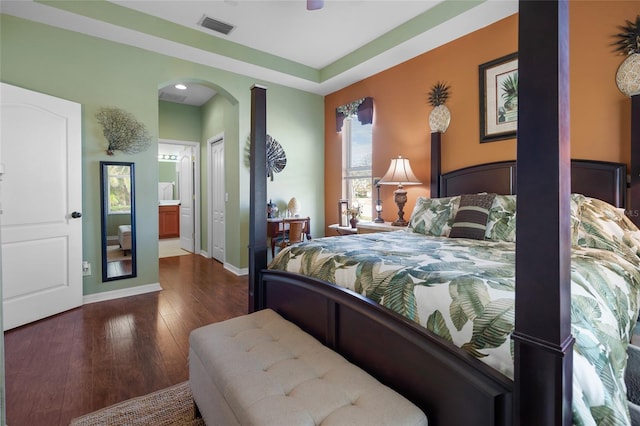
378	219
400	197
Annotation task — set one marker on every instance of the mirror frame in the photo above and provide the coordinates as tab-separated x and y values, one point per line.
104	176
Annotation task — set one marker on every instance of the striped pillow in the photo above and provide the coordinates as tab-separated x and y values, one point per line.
471	218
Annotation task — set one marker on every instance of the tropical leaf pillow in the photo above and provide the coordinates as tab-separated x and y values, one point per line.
434	216
604	227
577	200
501	225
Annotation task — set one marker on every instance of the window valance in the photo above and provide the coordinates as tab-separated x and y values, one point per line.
363	108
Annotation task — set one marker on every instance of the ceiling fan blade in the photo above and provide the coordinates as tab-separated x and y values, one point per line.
315	4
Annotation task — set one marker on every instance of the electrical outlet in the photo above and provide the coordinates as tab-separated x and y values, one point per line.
86	268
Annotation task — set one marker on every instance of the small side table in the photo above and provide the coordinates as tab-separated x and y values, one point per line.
343	230
371	227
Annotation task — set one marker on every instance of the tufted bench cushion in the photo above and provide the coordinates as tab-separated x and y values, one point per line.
124	237
260	369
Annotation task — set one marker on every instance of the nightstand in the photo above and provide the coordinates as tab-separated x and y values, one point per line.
343	230
370	227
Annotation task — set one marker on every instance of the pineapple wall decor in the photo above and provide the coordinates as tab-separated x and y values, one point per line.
628	43
440	116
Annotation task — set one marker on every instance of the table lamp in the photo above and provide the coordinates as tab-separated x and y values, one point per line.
379	218
400	174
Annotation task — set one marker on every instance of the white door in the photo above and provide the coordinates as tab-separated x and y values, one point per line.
187	229
41	200
217	196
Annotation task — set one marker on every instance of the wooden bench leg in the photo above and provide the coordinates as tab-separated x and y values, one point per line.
196	411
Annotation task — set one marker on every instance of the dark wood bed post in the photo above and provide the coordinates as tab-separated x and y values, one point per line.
634	191
436	163
543	341
258	195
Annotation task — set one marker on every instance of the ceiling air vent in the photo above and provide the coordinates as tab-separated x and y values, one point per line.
215	25
170	97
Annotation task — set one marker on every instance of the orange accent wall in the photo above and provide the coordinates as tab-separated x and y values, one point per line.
600	114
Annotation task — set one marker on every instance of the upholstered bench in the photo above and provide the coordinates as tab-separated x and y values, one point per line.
124	237
260	369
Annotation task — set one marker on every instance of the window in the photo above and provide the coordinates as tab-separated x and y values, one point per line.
119	190
356	170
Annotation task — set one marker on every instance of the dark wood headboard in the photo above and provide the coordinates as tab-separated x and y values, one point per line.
597	179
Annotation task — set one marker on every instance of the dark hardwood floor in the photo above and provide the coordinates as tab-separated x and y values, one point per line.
103	353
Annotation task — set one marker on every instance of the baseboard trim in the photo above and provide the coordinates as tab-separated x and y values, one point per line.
234	270
117	294
229	267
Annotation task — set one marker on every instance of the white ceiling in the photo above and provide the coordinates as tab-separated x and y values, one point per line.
194	94
285	29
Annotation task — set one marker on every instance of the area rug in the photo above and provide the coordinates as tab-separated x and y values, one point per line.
170	248
172	406
115	253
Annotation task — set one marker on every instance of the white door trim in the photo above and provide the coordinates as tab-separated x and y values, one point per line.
196	186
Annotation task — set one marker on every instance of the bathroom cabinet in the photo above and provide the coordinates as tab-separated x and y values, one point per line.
169	221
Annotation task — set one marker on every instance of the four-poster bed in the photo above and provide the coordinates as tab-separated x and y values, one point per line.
384	266
451	386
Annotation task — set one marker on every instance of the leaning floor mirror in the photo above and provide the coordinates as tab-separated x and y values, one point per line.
118	220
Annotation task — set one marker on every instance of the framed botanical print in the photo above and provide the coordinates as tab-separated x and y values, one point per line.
499	98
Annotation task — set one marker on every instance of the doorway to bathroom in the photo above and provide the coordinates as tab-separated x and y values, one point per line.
178	196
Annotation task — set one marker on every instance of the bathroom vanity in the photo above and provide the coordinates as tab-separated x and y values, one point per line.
169	219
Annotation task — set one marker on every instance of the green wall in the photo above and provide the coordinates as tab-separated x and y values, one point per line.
98	73
179	122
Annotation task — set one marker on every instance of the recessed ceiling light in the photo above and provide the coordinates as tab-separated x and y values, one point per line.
180	87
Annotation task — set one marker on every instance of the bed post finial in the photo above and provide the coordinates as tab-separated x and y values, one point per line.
436	164
634	185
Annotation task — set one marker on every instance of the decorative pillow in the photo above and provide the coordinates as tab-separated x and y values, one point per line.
501	225
602	226
472	216
577	200
433	216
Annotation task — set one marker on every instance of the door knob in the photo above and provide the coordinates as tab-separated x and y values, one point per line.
76	215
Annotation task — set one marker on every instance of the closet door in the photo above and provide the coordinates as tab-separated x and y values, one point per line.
217	194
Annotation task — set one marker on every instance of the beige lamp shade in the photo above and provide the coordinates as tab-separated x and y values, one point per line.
400	174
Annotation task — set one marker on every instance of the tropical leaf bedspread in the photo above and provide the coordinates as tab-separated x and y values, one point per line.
463	290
